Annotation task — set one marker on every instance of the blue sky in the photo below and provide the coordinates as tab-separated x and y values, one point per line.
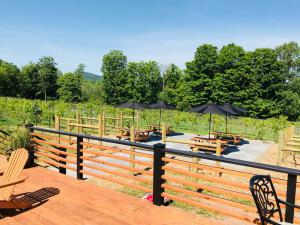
166	31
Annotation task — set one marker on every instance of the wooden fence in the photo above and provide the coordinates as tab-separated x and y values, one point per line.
288	146
167	173
101	126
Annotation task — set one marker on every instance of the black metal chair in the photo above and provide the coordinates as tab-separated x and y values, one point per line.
266	200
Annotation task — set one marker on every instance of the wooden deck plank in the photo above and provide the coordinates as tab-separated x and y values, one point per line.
80	202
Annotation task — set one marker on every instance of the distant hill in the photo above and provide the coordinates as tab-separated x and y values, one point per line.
91	76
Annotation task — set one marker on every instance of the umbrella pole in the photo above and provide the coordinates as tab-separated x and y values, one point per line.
209	126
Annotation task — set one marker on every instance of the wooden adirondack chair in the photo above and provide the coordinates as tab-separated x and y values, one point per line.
11	177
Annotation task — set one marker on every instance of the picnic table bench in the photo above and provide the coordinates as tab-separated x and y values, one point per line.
139	135
234	138
157	129
209	144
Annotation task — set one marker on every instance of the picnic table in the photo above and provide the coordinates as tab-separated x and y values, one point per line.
139	135
231	137
157	129
209	144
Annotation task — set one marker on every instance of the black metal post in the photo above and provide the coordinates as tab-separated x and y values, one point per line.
158	172
79	160
62	169
290	197
30	162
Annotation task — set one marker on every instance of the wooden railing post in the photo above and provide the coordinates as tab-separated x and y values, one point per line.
103	123
79	160
163	132
158	172
78	121
290	197
62	169
100	125
280	146
57	122
132	139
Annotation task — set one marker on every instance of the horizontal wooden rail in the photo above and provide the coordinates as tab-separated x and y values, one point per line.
53	138
117	157
84	125
51	156
117	165
212	198
54	150
116	180
222	170
216	180
117	173
114	149
208	207
56	164
216	190
53	144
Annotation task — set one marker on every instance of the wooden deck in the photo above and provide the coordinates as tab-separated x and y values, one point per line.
80	202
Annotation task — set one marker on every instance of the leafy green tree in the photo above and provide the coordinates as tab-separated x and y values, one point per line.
289	54
30	80
230	56
171	79
198	76
70	85
114	70
9	79
47	78
92	90
144	81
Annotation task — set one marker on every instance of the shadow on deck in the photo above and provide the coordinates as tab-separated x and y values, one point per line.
59	199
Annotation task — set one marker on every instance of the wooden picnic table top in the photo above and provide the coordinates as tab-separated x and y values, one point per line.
225	134
214	140
136	131
157	126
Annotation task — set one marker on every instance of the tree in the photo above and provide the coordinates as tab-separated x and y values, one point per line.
171	79
70	85
30	80
9	79
47	78
198	76
114	73
289	54
92	90
144	81
230	57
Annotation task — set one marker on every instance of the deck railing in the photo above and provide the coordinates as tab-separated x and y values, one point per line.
167	173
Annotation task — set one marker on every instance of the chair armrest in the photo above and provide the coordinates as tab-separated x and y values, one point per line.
289	204
2	185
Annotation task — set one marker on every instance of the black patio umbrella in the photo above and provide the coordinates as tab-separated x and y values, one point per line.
161	105
133	106
233	109
210	109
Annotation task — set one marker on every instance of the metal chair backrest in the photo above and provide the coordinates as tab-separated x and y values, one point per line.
13	172
265	198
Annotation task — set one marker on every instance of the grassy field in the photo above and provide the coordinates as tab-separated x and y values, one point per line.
17	112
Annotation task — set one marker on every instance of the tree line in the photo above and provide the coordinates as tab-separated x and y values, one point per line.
43	80
264	81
